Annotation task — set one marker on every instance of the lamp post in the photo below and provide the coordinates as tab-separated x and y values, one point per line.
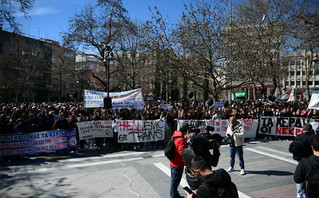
106	62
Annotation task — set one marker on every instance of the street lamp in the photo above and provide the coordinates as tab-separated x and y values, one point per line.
106	62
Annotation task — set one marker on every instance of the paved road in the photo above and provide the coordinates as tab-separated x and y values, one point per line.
269	168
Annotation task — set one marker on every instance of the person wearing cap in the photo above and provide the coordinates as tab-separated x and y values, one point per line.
307	135
177	163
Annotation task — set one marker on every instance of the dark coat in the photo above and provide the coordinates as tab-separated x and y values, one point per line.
211	183
200	147
302	171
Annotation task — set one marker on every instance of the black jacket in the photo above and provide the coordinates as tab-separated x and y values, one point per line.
200	147
211	183
302	170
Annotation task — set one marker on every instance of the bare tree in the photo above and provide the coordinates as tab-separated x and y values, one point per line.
133	68
63	70
305	33
8	10
194	46
259	35
100	27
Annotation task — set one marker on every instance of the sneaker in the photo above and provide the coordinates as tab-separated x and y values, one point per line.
230	169
242	172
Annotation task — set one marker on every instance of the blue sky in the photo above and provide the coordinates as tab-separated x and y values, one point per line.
48	18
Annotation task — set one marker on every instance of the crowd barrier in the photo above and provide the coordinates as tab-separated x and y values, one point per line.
137	131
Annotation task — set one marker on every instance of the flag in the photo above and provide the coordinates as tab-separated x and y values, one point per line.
292	96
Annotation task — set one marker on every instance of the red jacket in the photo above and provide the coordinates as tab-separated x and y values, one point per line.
180	144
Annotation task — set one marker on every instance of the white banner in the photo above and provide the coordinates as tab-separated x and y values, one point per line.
130	131
220	126
126	99
314	102
291	126
96	128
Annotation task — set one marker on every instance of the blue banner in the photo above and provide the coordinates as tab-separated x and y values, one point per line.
27	143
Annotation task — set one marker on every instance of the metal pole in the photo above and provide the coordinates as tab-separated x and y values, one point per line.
108	75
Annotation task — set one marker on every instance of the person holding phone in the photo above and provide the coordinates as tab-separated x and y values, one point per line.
214	183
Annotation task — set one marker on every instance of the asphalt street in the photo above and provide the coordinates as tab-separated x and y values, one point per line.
141	173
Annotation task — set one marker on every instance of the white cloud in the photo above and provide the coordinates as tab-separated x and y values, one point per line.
43	11
40	11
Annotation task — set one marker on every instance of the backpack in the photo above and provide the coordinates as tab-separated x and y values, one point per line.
312	180
228	190
300	148
169	151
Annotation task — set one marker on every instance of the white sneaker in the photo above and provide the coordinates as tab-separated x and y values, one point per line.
242	172
230	169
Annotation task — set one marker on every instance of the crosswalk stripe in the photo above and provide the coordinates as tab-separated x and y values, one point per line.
272	156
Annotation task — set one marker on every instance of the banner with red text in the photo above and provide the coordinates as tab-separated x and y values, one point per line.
95	128
289	126
27	143
134	131
220	126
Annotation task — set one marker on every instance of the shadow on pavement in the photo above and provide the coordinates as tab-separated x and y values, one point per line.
269	172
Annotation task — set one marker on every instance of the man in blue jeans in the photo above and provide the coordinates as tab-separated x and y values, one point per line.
236	134
177	163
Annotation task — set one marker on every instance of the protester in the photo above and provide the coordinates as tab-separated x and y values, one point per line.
236	133
61	123
177	163
214	183
308	169
301	148
115	129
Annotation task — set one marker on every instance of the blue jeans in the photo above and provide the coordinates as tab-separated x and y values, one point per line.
300	189
176	176
240	154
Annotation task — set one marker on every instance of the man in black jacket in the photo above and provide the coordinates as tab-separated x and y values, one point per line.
306	171
200	145
214	183
301	148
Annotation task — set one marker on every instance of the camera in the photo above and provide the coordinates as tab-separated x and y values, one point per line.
194	130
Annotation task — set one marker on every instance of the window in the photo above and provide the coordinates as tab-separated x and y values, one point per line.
292	73
298	73
292	82
316	82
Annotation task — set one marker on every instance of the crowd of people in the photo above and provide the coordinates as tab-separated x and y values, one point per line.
35	117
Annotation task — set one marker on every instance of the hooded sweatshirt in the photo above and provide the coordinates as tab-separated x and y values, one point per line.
211	183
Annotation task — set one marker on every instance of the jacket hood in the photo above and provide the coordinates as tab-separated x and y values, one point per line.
177	134
219	177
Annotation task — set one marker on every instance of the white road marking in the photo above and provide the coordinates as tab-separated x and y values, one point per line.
274	151
273	156
183	183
